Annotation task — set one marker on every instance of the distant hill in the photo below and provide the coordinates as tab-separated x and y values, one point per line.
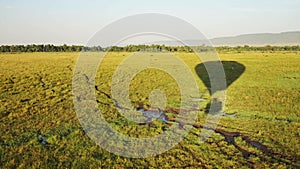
261	39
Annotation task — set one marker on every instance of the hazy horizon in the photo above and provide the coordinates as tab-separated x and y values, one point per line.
75	22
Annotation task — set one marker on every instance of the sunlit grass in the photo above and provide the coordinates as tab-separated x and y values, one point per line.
36	99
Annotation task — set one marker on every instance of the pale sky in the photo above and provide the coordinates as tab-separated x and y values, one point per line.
76	21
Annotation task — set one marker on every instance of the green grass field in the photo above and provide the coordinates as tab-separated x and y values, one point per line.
36	99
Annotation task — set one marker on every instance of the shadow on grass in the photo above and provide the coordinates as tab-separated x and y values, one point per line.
233	70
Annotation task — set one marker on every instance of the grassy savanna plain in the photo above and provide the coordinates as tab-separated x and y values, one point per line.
36	100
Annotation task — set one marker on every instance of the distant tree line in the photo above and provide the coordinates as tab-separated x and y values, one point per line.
40	48
258	48
140	48
149	48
